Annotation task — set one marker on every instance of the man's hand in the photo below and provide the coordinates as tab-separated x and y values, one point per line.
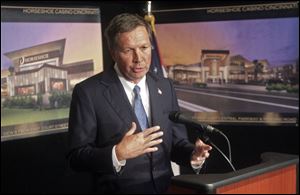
200	153
133	145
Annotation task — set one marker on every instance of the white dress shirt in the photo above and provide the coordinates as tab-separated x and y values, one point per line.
144	92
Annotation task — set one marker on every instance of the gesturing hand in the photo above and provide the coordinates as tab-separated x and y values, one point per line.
201	152
133	145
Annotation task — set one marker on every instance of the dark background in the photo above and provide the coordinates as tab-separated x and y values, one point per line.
38	164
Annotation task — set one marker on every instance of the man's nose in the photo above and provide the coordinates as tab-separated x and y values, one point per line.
137	56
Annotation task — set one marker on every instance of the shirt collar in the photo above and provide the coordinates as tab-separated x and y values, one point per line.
127	84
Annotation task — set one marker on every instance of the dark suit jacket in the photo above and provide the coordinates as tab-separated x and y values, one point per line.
101	114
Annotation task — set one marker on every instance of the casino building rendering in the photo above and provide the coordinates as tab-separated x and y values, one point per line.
40	70
218	66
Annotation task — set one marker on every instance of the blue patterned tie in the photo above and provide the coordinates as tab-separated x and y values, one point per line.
139	108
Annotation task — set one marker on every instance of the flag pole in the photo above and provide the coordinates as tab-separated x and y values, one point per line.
149	17
156	63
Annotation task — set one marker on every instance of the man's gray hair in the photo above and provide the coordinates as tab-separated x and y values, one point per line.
124	23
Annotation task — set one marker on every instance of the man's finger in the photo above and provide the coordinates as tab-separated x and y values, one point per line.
149	131
201	147
154	142
153	136
132	129
207	147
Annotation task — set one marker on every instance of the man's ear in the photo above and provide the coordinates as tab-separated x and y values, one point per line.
113	54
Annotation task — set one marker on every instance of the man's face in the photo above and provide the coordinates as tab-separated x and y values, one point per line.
133	54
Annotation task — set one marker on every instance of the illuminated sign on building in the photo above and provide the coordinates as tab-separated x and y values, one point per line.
24	60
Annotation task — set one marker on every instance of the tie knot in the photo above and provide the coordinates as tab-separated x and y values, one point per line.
136	89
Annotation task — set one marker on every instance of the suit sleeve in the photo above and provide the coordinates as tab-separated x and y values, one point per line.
181	147
83	154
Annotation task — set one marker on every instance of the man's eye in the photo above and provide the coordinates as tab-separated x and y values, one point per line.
145	48
126	51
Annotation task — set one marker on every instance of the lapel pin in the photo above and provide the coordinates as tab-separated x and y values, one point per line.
159	91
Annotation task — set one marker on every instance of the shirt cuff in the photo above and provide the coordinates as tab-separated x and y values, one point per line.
197	167
117	164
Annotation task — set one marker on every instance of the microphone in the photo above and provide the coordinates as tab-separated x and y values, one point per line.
178	117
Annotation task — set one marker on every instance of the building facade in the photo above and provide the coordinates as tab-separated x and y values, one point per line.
39	70
217	66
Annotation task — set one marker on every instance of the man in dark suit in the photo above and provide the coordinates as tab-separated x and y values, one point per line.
119	127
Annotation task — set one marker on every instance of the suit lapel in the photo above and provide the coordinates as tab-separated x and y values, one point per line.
117	98
155	101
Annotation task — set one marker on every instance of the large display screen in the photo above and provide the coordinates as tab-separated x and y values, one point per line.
234	64
45	51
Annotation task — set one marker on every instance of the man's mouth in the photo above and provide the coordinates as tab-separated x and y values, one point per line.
138	69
